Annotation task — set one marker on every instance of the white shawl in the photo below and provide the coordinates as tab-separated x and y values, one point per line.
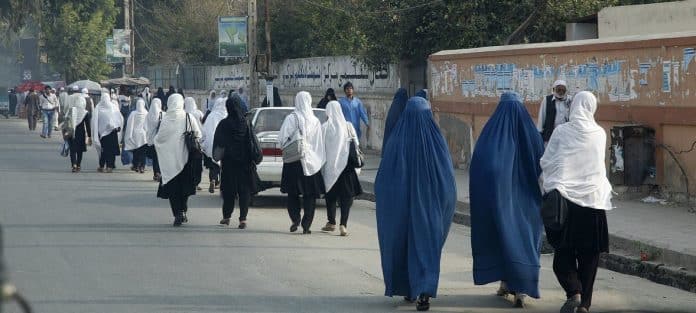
303	119
136	128
210	101
104	119
191	107
78	112
153	119
573	162
169	141
218	113
337	138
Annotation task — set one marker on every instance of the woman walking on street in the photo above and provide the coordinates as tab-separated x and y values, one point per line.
218	113
573	165
135	137
106	123
340	177
154	116
416	195
397	107
506	200
302	177
234	139
176	162
191	107
79	119
329	96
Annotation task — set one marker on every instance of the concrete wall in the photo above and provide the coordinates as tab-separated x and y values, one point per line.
315	75
657	18
649	80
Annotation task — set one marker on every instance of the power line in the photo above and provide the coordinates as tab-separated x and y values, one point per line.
374	12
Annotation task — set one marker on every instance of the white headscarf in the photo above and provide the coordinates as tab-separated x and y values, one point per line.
573	162
218	113
337	138
153	119
104	120
223	95
169	141
304	119
135	135
146	95
78	112
191	107
210	102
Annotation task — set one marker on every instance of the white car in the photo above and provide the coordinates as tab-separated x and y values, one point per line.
266	124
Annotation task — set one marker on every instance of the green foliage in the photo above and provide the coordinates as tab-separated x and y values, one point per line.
14	14
74	33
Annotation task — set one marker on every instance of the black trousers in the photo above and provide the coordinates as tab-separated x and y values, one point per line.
179	205
576	273
228	206
109	161
345	203
76	157
214	173
139	157
294	209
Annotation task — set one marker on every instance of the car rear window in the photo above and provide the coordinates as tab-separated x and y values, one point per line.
271	120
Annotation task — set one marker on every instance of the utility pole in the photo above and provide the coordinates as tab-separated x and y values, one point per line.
126	25
253	79
269	72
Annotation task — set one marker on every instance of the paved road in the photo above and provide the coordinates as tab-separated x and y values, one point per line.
94	242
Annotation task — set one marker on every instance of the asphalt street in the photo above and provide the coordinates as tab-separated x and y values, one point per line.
97	242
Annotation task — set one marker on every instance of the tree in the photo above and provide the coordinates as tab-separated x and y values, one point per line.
14	14
74	33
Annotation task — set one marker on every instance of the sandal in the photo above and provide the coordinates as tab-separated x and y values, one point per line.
423	303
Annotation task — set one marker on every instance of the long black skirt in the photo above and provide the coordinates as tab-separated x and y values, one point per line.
109	144
181	185
78	141
238	179
294	182
347	185
585	231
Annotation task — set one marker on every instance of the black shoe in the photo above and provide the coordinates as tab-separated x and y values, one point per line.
178	221
242	225
306	232
423	303
293	227
225	222
409	299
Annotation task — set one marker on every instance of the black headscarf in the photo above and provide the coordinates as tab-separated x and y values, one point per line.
329	96
232	131
181	92
276	99
160	94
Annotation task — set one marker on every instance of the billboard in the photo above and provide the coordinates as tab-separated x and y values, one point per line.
110	58
232	36
121	47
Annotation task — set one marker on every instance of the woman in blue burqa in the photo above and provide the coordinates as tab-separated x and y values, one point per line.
416	195
506	223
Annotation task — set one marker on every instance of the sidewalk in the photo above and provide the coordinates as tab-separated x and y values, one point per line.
666	233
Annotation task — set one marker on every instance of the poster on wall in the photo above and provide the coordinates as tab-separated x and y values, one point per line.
110	58
666	77
232	36
121	47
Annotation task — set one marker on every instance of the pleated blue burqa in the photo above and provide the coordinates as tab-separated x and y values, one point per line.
506	223
397	107
416	195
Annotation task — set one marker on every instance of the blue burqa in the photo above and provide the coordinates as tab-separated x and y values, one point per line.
397	107
416	195
506	222
422	93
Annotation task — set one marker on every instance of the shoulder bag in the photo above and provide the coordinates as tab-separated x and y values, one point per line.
254	149
192	143
554	210
294	147
355	156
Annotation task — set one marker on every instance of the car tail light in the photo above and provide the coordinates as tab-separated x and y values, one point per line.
271	150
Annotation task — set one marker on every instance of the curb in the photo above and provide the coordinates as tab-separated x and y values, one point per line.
623	259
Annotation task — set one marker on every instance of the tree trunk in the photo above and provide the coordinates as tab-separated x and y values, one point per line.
540	6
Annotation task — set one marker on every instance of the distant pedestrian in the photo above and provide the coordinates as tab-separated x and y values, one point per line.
32	105
170	92
277	102
329	96
303	177
49	106
554	110
191	107
506	226
107	122
223	95
124	101
63	100
154	118
160	95
218	113
397	107
353	108
423	93
574	166
237	143
147	96
415	204
135	136
80	133
176	162
181	92
13	101
340	177
57	111
210	102
245	98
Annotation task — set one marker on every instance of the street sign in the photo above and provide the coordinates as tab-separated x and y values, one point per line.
121	47
110	58
232	37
